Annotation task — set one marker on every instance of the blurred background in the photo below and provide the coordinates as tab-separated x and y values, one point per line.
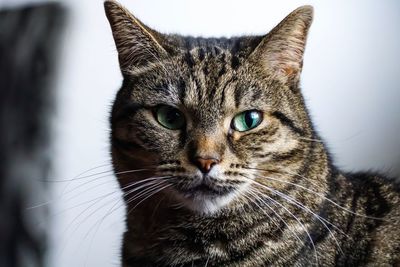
59	202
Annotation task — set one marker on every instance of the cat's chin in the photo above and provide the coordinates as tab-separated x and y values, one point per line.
206	204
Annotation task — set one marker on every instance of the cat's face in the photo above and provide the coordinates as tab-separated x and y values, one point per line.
203	119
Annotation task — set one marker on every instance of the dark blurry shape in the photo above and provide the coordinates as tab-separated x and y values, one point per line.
28	52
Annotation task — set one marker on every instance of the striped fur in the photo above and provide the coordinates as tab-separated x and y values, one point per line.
274	198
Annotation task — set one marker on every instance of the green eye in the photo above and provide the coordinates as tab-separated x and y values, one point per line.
170	117
247	120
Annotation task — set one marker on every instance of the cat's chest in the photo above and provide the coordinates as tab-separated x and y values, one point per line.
223	241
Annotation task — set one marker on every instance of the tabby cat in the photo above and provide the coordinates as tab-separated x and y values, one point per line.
219	162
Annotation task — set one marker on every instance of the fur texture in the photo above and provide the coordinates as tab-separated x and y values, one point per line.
272	195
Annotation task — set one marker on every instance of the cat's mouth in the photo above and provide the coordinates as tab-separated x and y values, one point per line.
205	188
206	195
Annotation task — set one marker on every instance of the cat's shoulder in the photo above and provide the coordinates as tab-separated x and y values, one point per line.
378	193
377	197
376	185
381	194
375	181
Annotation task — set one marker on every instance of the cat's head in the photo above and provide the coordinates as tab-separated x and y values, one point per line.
204	119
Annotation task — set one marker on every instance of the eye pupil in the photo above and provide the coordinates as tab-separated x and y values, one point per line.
172	115
250	118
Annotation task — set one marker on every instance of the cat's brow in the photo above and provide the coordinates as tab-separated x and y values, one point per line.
285	120
128	109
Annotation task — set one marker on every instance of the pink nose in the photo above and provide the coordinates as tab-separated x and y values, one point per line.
205	164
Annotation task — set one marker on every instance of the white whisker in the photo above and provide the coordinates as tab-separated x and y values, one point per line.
255	194
305	208
150	195
316	193
298	221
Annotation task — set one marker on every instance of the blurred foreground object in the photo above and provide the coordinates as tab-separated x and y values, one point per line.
28	53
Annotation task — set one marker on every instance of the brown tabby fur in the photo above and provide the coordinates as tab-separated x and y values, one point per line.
276	199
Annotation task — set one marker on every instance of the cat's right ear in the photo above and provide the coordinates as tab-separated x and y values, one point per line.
281	50
136	43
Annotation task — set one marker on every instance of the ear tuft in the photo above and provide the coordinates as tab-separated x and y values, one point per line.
136	43
282	49
305	13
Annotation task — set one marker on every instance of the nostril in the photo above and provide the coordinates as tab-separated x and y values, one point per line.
205	164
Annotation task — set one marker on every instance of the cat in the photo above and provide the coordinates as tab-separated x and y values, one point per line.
219	162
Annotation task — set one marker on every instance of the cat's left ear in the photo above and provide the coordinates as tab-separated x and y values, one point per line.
136	43
281	50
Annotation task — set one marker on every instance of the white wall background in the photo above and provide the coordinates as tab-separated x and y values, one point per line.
351	82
